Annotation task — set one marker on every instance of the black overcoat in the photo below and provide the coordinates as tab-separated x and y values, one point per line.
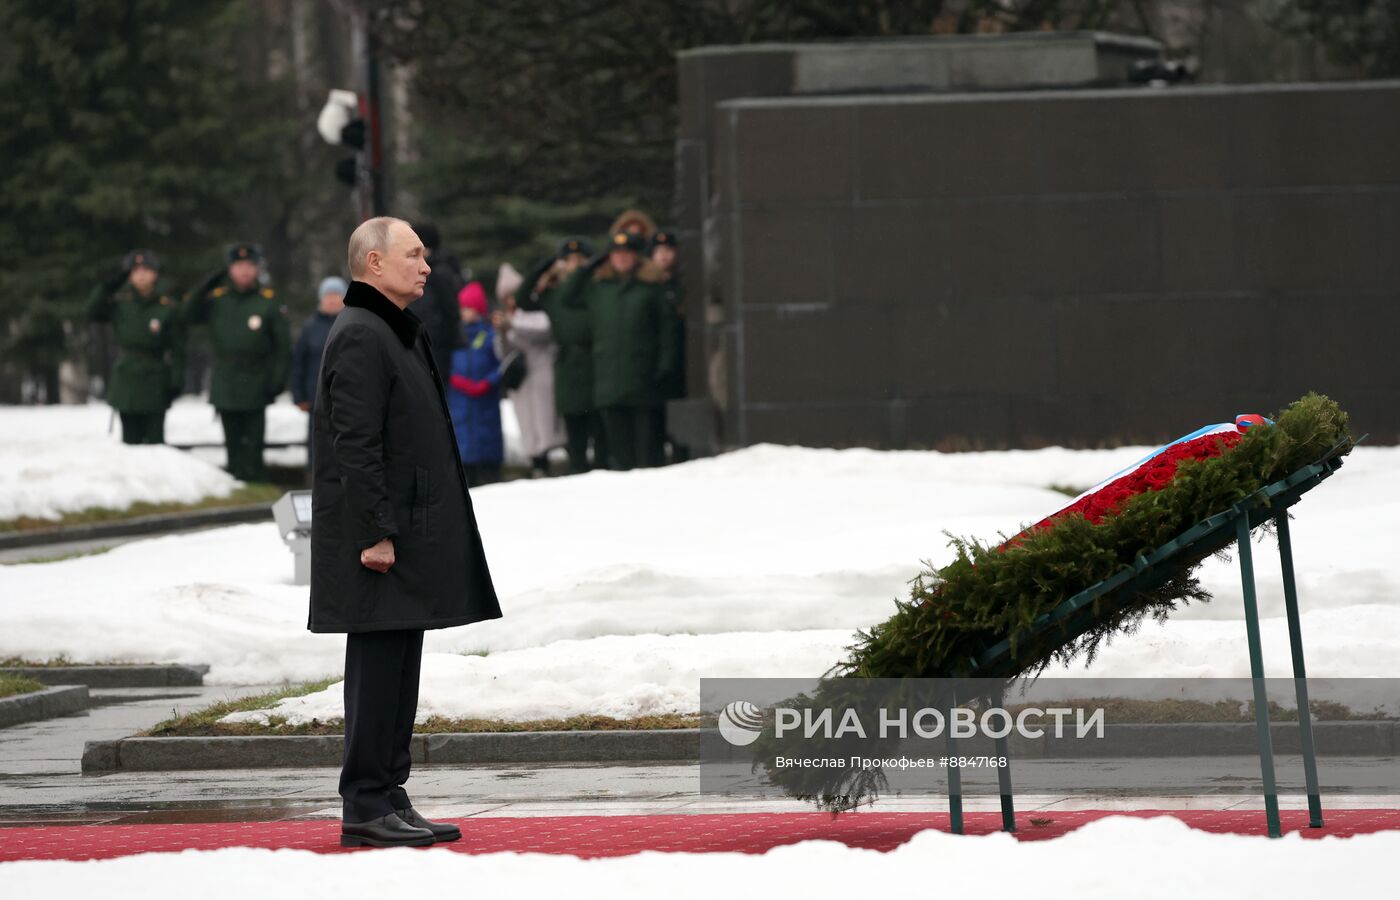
386	465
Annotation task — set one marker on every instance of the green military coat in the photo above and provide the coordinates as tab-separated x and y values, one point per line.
634	326
572	328
251	342
150	335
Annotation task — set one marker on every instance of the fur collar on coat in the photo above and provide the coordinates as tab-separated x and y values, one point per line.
404	323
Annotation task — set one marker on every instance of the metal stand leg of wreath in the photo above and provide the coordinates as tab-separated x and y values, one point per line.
1008	803
955	804
1300	673
955	807
1256	671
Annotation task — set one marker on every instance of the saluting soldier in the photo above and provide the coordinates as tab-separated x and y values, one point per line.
148	328
634	348
252	345
572	329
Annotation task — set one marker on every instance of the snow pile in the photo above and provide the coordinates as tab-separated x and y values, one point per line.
1109	858
621	590
190	421
622	677
43	476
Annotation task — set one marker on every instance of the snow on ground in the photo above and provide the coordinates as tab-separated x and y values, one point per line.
619	676
74	436
59	460
621	590
1110	858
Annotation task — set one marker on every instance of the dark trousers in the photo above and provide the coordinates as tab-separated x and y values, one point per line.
482	473
143	428
243	440
582	430
632	436
381	698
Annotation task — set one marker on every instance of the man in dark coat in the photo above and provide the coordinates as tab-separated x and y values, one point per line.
664	254
394	544
306	352
437	308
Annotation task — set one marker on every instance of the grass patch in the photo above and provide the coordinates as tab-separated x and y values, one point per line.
58	662
61	557
14	685
1068	490
246	495
667	722
206	721
15	662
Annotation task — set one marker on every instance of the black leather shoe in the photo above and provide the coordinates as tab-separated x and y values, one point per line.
442	831
386	831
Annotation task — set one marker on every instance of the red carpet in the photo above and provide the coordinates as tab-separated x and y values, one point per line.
591	836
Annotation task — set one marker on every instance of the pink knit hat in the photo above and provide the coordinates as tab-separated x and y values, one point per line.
473	296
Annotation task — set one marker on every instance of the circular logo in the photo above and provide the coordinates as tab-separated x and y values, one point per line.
740	723
254	322
155	326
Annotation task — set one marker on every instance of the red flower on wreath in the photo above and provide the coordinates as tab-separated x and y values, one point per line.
1153	475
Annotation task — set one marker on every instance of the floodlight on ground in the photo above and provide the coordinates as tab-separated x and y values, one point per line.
292	513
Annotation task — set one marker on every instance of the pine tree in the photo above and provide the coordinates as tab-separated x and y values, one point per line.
126	125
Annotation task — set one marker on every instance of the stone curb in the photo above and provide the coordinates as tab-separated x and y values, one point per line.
137	754
158	524
114	676
63	700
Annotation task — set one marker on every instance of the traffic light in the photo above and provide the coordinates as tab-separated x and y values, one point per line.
341	125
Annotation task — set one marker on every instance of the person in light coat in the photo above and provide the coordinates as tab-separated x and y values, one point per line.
541	428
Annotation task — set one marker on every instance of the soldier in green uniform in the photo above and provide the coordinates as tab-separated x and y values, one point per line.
148	327
252	347
634	346
572	330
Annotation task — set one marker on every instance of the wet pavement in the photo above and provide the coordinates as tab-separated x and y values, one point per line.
41	784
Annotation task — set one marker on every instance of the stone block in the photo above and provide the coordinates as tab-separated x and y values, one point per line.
967	346
1315	135
890	254
821	356
1198	252
787	256
820	424
798	153
1131	141
920	148
994	249
1098	245
1318	241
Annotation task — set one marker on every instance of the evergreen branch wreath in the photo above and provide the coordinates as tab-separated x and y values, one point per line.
990	593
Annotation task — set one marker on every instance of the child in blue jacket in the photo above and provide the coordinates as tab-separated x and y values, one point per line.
473	391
